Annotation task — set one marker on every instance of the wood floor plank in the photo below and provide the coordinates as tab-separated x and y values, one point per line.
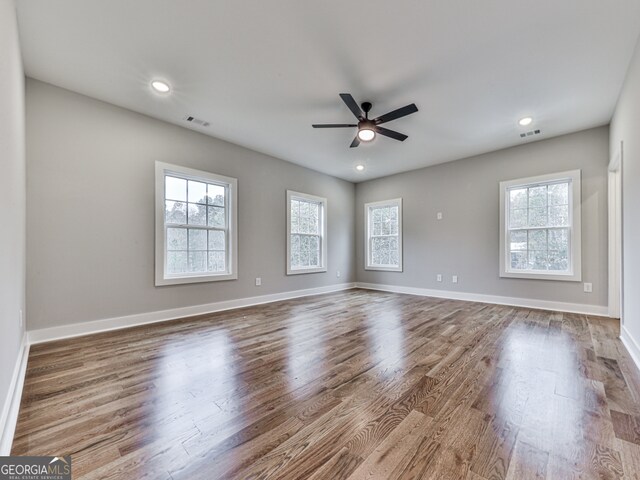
389	453
630	457
528	463
351	385
627	427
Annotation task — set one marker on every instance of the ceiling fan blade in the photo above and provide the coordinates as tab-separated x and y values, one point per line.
332	125
355	143
391	133
400	112
353	106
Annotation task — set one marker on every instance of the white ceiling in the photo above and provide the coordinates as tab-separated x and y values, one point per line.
261	72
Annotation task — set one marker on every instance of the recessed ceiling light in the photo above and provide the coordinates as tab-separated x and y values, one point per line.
360	167
160	86
525	121
366	134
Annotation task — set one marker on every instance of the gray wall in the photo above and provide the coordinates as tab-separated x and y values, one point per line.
12	206
90	211
465	242
625	126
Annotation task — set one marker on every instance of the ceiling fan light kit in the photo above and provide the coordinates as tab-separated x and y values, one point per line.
366	134
367	129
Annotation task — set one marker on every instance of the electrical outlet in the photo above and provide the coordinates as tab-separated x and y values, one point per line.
338	274
258	281
454	279
439	215
588	287
439	277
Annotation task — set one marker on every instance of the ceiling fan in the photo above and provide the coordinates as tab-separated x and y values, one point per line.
367	129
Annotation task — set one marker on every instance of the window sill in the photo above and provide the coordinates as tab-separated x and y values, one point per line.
306	270
561	277
383	269
161	281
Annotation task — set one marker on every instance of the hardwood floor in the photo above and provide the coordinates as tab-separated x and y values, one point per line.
353	385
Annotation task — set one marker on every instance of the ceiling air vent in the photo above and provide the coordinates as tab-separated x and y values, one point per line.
532	133
196	121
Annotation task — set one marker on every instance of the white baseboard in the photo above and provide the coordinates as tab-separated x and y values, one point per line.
11	406
482	298
116	323
631	345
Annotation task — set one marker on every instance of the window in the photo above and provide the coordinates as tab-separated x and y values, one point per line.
196	222
384	235
306	233
540	227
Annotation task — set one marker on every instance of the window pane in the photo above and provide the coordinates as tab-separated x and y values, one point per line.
295	217
518	198
215	217
176	238
197	262
384	256
393	220
176	262
197	239
559	239
377	215
393	243
538	260
558	260
537	240
377	223
314	251
538	217
394	258
518	218
295	251
381	248
378	244
175	189
197	214
304	217
216	194
217	262
519	260
559	194
197	192
314	218
518	240
175	212
304	250
538	197
375	254
559	216
386	221
216	240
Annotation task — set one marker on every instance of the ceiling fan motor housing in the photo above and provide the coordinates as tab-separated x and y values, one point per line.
366	124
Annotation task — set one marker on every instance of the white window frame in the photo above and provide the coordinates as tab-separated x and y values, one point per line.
367	228
291	195
161	276
574	274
